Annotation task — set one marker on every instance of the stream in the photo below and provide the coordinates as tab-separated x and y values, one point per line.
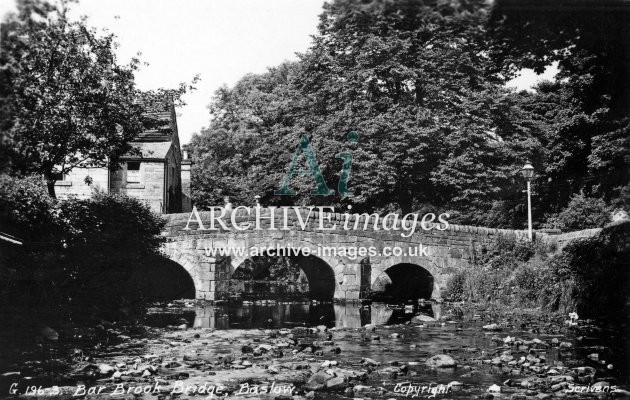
275	350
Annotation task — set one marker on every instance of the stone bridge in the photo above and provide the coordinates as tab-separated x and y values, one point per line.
334	273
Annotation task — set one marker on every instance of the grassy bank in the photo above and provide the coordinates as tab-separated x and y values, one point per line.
590	275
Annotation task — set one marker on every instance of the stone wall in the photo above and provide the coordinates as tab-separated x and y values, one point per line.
74	182
562	239
447	251
150	189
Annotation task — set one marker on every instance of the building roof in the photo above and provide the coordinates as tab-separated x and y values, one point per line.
151	149
160	128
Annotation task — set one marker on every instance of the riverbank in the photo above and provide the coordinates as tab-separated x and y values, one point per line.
467	350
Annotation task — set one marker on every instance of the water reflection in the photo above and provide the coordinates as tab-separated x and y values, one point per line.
274	316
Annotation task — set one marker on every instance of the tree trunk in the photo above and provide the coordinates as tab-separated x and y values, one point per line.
50	184
405	202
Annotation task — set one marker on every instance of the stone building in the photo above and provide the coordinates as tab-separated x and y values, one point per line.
157	172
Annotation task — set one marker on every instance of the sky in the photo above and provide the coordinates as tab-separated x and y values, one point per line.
221	40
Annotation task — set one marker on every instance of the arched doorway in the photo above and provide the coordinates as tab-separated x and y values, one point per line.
402	282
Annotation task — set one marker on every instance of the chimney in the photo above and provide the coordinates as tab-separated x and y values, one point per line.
186	189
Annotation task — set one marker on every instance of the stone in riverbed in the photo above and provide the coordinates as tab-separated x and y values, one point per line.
361	388
49	333
422	318
171	364
494	389
559	386
492	327
264	348
391	371
441	361
335	383
560	378
317	381
105	369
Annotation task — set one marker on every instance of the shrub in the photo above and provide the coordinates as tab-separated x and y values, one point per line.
455	287
73	249
26	207
112	220
528	283
599	268
590	276
582	212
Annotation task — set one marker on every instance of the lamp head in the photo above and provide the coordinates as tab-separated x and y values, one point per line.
527	171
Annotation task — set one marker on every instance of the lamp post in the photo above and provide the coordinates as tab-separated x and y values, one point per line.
528	173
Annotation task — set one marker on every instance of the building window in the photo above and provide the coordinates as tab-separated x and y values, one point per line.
61	179
58	176
133	172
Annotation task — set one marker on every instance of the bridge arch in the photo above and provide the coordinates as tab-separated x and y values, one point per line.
407	278
189	263
329	268
211	274
319	274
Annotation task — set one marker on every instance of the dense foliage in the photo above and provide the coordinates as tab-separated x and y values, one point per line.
590	275
587	108
75	251
65	100
593	273
582	212
423	86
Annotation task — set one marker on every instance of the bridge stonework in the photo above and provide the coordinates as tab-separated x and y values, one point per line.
448	251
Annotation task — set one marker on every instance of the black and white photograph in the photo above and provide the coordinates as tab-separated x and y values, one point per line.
314	199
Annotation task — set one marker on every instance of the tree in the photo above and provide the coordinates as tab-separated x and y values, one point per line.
587	109
423	86
240	154
435	127
65	100
582	212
